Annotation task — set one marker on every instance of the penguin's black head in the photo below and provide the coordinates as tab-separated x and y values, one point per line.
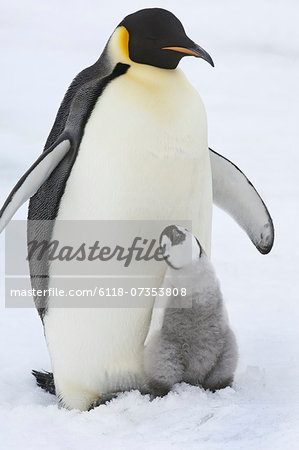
179	247
157	38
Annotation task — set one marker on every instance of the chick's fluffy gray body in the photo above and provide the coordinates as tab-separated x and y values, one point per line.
195	344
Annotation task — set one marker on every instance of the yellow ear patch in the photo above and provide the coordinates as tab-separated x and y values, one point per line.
124	41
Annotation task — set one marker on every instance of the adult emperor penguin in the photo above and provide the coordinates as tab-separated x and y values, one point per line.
129	142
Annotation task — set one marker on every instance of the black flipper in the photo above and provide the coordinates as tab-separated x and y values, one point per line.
33	179
235	194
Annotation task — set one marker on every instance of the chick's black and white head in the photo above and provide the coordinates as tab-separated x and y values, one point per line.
180	248
155	37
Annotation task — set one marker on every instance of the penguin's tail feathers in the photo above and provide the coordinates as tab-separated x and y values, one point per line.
45	380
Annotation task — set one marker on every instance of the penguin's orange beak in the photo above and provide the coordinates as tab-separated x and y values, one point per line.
195	50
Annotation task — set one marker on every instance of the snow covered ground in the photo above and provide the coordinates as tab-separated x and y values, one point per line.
252	102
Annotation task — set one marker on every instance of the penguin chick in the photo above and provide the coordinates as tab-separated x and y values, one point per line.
189	338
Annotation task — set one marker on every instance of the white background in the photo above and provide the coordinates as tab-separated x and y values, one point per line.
251	97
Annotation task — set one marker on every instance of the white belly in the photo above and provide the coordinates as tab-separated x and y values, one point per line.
144	155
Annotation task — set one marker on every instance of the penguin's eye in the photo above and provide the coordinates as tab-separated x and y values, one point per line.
178	237
151	42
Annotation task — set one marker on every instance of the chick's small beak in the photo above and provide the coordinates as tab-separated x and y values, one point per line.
163	248
195	50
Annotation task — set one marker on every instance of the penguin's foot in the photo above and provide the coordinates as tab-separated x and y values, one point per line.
103	399
158	389
216	386
45	380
